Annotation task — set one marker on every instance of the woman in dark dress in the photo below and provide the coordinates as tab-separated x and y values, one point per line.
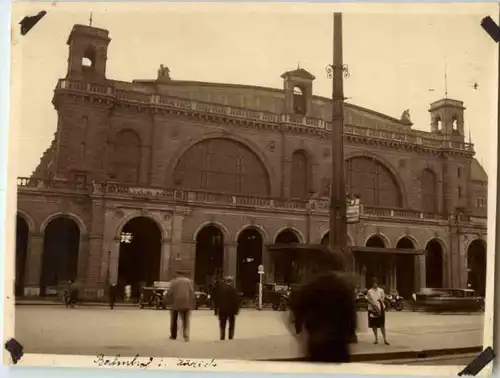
376	310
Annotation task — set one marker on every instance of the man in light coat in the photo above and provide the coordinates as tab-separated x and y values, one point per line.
182	298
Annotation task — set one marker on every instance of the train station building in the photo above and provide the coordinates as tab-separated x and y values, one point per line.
149	177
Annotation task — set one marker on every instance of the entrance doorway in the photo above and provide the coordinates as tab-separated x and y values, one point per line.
61	244
209	263
140	255
249	252
22	237
434	264
405	269
476	264
376	265
283	263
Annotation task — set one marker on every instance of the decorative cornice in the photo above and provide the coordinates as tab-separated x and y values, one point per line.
107	96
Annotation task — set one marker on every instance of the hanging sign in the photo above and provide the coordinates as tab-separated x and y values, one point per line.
353	210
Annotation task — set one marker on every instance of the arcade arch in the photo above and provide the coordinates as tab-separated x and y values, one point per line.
476	266
22	241
405	268
284	264
139	263
249	252
209	259
61	245
434	264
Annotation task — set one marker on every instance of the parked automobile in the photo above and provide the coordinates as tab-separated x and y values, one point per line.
154	296
274	295
446	300
394	302
202	298
361	299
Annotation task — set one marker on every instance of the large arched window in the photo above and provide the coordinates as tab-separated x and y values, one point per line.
299	183
222	165
126	157
428	184
373	182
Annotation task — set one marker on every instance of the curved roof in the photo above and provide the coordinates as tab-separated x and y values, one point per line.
265	99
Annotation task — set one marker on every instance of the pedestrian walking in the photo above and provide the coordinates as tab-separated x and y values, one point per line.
227	305
215	292
325	309
182	297
112	296
376	310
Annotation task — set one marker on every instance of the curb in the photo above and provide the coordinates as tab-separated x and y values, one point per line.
387	356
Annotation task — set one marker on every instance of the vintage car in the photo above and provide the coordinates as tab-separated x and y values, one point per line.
154	296
202	298
394	301
448	300
275	296
361	300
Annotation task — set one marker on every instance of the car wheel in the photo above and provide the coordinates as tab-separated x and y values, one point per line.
156	303
282	306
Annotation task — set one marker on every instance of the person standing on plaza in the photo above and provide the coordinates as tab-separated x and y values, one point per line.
182	298
376	310
112	295
227	305
218	282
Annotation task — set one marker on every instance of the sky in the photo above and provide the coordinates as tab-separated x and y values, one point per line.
397	57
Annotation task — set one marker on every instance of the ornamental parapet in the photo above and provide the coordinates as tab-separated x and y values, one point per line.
155	101
318	206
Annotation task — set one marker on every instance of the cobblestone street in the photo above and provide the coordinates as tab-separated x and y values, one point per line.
259	334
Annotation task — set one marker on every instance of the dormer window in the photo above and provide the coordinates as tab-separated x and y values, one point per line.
299	101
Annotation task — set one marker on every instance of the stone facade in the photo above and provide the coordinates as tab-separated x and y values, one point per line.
117	148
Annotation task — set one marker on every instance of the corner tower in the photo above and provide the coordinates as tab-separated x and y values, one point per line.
447	118
298	91
88	52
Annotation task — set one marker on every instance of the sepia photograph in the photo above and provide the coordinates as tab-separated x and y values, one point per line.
258	182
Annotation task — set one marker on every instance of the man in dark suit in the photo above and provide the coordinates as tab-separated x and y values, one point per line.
227	304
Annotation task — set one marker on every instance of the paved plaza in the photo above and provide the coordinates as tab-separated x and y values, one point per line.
259	334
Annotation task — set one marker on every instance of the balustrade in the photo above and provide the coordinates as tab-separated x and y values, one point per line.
315	205
153	99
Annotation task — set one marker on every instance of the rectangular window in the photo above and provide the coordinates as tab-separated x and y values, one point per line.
459	172
459	189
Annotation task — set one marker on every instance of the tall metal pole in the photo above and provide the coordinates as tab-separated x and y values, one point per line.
338	220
